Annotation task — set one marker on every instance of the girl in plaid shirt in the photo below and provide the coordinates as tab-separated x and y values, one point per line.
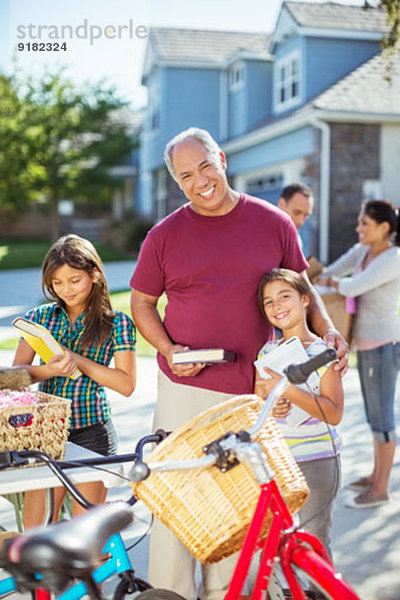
92	333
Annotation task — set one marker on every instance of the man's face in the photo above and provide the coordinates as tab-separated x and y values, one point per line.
299	208
202	181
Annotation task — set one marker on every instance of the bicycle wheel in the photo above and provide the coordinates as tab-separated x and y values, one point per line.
329	585
159	594
127	587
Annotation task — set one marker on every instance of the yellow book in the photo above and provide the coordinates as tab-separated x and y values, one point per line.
41	340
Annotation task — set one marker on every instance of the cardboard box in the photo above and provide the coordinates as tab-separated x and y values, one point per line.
315	268
335	305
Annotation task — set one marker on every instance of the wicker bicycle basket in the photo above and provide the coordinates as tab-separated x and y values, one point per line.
210	511
41	426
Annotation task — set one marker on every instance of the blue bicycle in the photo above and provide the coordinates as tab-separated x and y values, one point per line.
63	558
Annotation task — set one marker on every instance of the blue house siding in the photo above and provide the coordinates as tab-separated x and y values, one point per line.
152	145
144	203
259	91
296	42
327	61
238	110
250	104
192	98
188	97
277	150
144	200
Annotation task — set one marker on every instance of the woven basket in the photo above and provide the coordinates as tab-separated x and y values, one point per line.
210	511
46	425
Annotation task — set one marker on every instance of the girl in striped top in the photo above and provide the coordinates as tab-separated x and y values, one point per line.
284	297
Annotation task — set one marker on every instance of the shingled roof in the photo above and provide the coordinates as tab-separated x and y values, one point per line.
365	90
331	15
172	44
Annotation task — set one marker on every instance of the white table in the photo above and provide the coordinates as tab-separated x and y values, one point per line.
36	478
22	479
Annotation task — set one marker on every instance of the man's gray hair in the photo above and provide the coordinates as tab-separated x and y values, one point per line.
202	136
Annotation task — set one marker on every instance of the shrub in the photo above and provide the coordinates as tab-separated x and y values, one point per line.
128	235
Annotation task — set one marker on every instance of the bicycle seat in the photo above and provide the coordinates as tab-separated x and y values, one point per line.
65	550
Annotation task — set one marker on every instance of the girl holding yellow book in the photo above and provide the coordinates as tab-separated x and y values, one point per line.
90	333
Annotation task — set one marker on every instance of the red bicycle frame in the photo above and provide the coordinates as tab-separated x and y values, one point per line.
293	548
41	594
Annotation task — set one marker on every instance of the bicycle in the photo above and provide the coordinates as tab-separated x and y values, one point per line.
295	550
51	558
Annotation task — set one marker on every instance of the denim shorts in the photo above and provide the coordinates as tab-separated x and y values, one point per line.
100	438
378	369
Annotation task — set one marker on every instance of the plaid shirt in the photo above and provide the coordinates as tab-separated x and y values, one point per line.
89	404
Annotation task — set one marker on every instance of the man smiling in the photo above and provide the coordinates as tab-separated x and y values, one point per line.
209	257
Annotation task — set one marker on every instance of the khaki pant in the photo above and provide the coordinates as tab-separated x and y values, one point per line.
171	565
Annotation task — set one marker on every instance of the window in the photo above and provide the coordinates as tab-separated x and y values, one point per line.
288	81
259	185
237	75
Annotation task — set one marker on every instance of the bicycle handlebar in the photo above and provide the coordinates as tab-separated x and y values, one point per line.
234	443
298	374
293	374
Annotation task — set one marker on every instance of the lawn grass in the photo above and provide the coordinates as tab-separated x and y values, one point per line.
26	253
10	344
120	301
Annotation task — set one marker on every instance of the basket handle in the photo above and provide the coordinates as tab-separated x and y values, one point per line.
206	415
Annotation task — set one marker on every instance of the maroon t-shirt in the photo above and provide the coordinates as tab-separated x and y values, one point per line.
210	269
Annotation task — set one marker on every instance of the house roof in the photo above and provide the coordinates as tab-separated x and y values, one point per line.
365	90
332	15
172	44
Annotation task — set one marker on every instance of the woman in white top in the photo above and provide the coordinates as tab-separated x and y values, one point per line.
370	273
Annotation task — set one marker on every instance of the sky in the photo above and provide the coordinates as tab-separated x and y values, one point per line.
106	39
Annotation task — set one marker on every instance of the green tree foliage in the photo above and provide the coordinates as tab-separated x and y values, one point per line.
57	142
391	39
390	42
14	163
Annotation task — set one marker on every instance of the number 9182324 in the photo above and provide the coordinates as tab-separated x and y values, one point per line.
42	47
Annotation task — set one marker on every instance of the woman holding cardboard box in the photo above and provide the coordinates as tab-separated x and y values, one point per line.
370	273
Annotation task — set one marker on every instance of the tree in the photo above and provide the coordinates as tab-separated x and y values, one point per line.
391	39
58	142
14	170
390	42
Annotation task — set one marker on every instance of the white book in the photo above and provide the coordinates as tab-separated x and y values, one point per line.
203	355
290	352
